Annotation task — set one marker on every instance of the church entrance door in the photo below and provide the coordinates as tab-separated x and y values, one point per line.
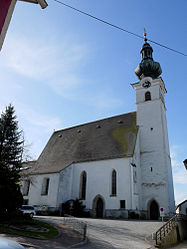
154	211
99	208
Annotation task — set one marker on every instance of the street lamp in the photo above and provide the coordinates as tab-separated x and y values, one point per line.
185	163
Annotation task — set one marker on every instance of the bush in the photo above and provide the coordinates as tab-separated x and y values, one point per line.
53	213
133	215
76	209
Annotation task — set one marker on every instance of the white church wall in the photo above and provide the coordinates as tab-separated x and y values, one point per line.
99	182
168	163
65	185
136	179
35	196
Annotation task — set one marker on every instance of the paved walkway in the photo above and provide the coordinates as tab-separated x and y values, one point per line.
116	234
66	239
102	234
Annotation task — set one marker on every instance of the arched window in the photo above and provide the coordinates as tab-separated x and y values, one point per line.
83	186
147	96
114	182
45	186
26	187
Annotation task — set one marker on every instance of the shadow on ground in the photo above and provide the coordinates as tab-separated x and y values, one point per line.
66	238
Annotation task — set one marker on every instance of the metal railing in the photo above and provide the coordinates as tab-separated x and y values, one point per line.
76	224
168	227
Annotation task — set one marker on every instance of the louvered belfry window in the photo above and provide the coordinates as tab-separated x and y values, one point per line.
147	96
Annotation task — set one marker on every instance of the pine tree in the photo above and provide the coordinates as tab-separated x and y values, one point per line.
11	151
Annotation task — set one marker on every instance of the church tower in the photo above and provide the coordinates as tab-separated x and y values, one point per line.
155	163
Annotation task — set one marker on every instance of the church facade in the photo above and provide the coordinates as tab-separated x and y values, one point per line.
114	165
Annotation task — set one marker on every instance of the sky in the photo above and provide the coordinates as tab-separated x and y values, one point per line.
60	68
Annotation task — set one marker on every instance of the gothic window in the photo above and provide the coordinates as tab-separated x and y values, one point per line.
45	186
114	182
26	187
147	96
83	185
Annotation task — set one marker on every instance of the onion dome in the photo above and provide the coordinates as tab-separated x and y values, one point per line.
147	67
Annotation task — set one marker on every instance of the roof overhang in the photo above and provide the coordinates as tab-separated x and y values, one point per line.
42	3
6	11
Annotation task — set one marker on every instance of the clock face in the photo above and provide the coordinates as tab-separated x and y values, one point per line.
146	84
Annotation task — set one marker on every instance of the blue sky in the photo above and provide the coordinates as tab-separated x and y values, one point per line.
60	68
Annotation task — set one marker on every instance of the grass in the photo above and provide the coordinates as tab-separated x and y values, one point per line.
51	233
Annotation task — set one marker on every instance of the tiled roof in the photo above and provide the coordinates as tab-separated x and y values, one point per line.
108	138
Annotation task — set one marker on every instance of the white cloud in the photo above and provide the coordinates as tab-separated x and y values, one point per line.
36	120
180	177
175	161
180	196
57	65
37	127
104	101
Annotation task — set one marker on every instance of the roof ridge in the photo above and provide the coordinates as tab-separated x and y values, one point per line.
92	122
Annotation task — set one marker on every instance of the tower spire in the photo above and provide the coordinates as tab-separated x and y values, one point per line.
147	67
145	35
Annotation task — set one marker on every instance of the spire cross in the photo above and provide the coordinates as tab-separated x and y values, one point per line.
145	35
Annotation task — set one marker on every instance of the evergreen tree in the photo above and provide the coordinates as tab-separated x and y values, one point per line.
11	151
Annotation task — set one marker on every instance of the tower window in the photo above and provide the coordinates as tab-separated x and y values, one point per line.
147	96
83	186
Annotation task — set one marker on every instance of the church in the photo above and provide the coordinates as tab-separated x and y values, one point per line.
116	165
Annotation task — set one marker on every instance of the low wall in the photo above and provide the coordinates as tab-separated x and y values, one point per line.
170	239
178	234
116	213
